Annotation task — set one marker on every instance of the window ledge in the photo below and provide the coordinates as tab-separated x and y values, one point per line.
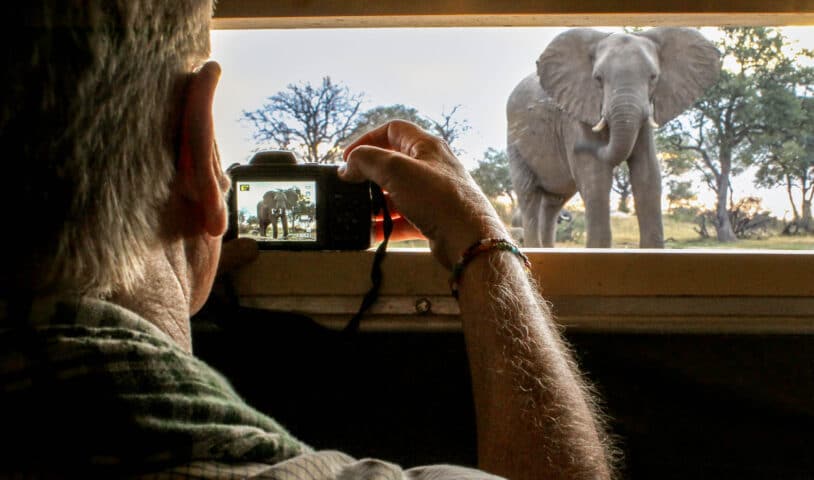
669	291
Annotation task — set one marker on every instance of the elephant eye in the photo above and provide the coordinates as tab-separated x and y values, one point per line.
598	79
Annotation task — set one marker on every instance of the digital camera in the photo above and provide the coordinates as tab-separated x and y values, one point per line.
289	206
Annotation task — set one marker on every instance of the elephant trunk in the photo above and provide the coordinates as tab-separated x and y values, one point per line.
624	120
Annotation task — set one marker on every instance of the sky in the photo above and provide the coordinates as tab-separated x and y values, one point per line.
430	69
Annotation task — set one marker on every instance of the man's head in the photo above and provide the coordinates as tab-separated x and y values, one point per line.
93	97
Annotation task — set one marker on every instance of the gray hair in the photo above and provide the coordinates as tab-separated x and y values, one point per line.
91	99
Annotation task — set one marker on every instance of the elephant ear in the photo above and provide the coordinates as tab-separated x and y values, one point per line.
291	196
689	64
565	70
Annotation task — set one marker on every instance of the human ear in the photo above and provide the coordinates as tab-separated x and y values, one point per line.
199	176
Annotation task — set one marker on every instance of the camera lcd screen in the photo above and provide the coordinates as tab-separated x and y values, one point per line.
277	211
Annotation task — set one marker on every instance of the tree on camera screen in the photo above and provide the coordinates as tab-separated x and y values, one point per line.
278	211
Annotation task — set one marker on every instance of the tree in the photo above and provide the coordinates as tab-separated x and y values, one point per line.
785	155
301	204
449	128
377	116
679	193
675	166
312	120
242	215
722	127
621	185
492	174
792	166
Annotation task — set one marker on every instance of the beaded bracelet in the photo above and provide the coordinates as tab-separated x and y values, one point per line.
481	246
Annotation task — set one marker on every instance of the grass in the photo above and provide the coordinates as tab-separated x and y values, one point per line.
678	234
681	234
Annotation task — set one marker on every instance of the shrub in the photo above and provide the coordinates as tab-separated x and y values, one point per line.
570	226
747	218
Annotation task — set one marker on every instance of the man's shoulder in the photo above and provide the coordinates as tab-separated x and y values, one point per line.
323	465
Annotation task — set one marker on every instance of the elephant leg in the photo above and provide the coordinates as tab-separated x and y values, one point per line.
274	226
597	220
645	182
531	225
285	224
594	183
540	218
539	208
262	218
550	208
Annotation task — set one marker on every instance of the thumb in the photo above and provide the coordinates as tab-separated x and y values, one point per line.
375	164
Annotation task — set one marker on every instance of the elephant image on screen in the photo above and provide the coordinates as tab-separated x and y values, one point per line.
277	211
594	103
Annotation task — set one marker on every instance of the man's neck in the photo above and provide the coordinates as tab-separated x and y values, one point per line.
162	297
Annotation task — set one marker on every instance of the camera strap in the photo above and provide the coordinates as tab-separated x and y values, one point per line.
379	205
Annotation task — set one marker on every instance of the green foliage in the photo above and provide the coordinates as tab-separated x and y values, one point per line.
679	193
785	155
492	174
311	120
674	162
300	204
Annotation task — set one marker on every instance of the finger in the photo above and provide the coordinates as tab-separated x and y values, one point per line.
375	164
396	135
236	253
374	138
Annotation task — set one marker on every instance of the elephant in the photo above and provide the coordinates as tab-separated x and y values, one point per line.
594	103
272	208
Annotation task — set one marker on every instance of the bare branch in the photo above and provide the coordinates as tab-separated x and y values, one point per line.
312	120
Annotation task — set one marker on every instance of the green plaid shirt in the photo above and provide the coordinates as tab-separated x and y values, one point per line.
90	385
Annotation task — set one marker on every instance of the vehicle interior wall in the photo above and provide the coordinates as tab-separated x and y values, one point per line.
678	405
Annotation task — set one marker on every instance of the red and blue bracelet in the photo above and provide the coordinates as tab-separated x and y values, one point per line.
481	246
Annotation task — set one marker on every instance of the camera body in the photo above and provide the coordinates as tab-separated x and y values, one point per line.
289	206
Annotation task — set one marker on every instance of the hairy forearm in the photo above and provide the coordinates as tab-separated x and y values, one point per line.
536	418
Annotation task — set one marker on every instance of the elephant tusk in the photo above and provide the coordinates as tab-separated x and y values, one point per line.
601	125
651	118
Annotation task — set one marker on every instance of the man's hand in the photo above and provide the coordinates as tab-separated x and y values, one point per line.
535	419
427	184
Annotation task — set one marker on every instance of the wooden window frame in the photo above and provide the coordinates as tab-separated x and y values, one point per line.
251	14
666	291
